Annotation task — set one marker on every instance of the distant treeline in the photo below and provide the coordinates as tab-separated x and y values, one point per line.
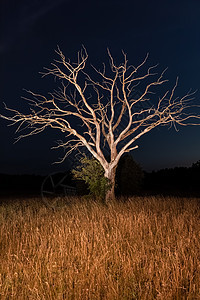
20	184
178	181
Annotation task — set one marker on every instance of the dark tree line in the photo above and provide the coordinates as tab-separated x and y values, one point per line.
180	181
130	180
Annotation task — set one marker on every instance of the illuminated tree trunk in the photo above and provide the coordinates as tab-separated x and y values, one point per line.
110	174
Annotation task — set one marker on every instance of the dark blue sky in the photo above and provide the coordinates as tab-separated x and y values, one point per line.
31	31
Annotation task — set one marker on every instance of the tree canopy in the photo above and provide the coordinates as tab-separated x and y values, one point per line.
106	103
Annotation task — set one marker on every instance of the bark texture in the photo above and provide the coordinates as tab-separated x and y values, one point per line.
110	195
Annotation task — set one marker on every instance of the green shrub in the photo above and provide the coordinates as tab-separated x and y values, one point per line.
91	171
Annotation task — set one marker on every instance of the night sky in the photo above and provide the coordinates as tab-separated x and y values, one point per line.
32	29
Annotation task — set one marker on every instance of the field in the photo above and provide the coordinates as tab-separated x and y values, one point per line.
141	248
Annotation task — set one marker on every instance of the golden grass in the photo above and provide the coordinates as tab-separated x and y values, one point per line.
144	248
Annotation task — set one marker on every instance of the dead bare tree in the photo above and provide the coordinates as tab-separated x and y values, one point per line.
102	103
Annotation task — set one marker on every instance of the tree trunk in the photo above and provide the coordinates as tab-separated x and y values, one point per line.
110	174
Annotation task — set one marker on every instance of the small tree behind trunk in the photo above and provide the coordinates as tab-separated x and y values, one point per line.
129	176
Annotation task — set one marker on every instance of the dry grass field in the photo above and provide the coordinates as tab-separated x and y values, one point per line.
144	248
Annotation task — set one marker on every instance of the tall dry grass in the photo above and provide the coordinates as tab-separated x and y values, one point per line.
144	248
